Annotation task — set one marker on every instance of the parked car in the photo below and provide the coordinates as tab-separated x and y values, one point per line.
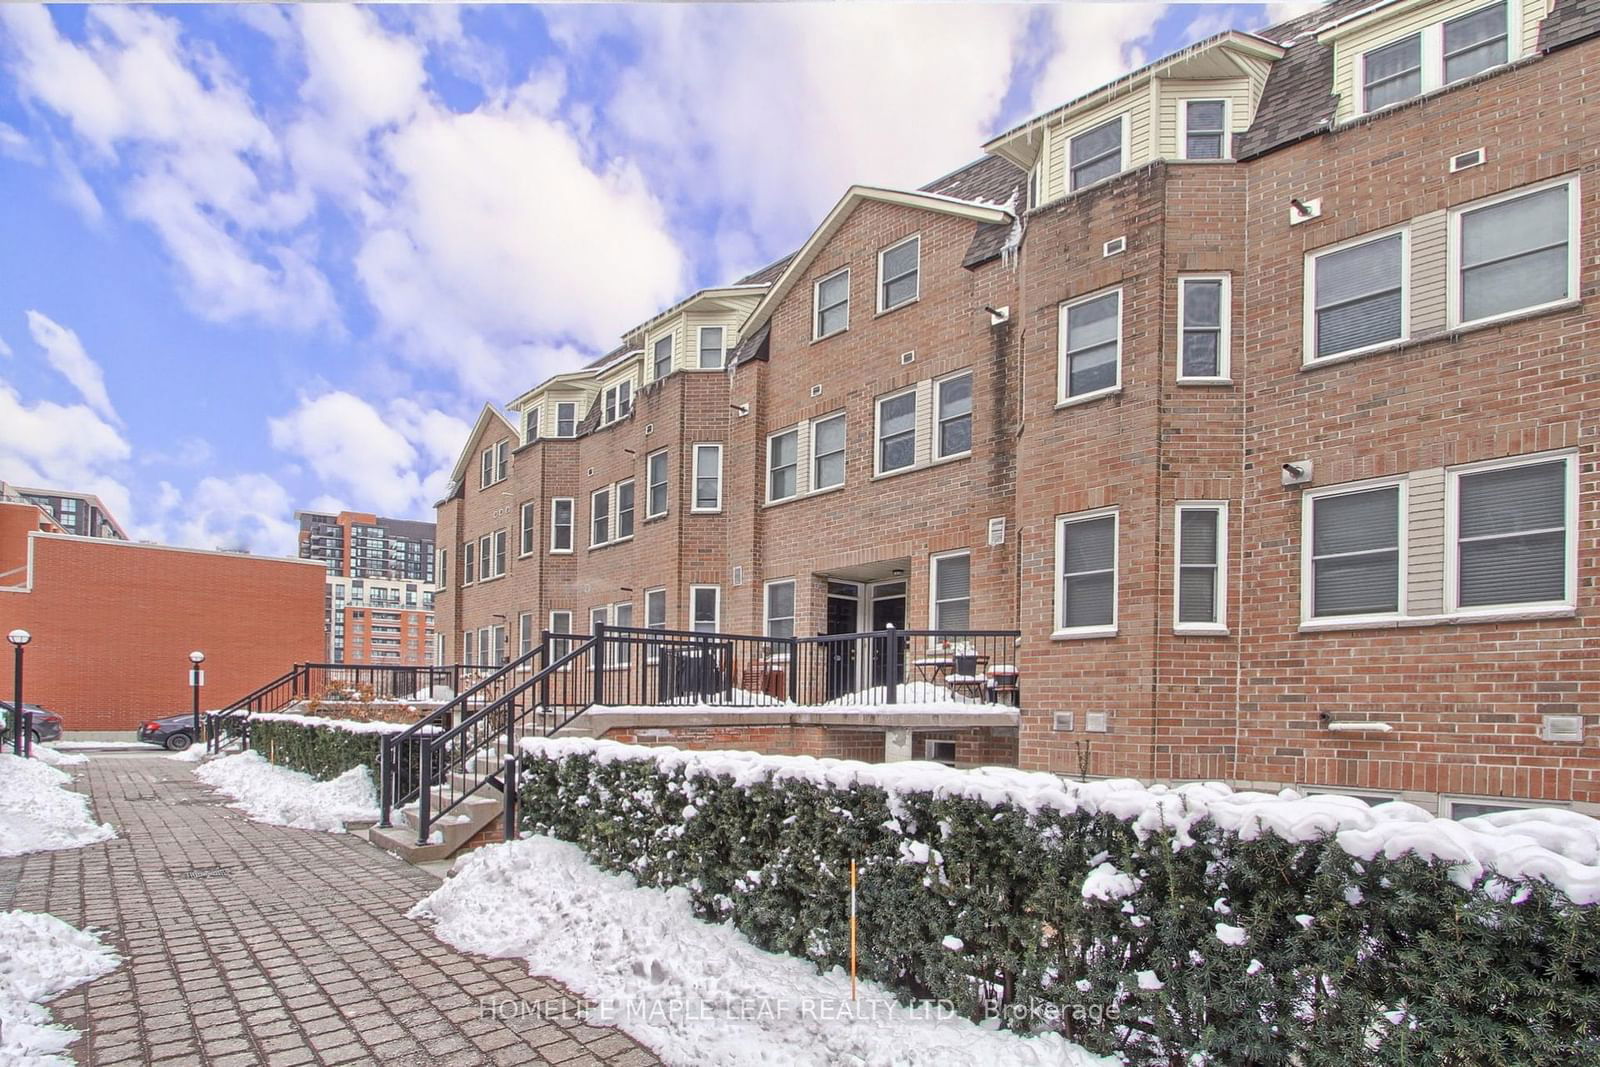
175	732
46	723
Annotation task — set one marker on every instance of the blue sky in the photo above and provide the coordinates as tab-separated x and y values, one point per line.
255	259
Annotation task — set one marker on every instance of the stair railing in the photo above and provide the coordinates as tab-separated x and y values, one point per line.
233	721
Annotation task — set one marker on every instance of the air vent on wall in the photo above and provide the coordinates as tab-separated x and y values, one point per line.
1564	728
738	574
1466	159
591	472
1061	720
816	390
1116	246
1097	722
649	428
907	357
997	531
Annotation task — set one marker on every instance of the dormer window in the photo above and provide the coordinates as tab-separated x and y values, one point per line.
567	420
1205	129
832	303
1475	42
617	402
662	362
898	274
1439	55
713	347
530	425
1393	72
1097	153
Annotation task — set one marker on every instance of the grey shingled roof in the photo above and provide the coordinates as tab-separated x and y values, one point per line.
1571	21
1298	99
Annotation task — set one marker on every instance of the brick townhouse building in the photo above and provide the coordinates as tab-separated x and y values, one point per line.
1257	390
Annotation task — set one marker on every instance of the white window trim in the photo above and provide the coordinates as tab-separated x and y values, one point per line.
1308	340
1452	544
699	347
1402	567
811	459
938	422
558	435
572	523
933	583
694	476
816	304
486	464
916	296
1062	399
567	636
766	604
1072	633
615	389
1220	508
1433	58
469	555
1067	150
716	622
532	528
771	438
666	480
617	536
653	652
877	432
1574	252
1183	127
611	504
1448	802
672	354
532	426
1224	375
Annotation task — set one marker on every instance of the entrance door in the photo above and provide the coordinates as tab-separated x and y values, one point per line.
888	610
839	657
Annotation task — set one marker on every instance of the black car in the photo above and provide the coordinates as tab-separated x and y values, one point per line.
46	723
175	732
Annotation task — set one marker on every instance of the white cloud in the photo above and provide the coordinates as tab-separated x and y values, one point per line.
70	360
249	511
14	143
62	445
1090	45
5	349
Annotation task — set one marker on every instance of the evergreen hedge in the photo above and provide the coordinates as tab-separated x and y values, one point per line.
986	900
327	750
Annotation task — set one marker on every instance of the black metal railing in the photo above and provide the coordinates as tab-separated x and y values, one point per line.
332	683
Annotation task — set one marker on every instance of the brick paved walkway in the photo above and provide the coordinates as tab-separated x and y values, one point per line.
251	944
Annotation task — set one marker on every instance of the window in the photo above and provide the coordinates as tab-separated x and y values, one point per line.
655	466
1205	129
1096	154
832	302
951	594
486	469
1086	560
597	621
443	569
713	348
897	432
1515	254
954	434
468	652
1357	296
468	574
530	425
625	510
1392	73
1203	329
898	276
486	648
499	553
1091	346
617	401
779	609
783	465
561	524
530	522
1202	552
567	420
560	623
662	363
524	633
1354	552
1474	42
705	605
1510	538
600	517
655	618
621	652
827	452
707	478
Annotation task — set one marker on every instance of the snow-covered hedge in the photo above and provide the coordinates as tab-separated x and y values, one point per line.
1192	925
323	748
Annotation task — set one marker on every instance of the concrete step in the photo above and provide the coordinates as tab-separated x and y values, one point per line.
448	833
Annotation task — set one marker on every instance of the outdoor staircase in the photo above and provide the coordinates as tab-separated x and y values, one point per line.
482	806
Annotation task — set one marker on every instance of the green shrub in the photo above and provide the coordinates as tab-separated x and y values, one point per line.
326	750
1347	961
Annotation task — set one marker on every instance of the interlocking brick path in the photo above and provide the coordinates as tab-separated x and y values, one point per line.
246	944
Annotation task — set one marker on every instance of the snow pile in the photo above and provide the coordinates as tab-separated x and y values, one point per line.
192	754
1562	847
281	797
38	813
697	993
353	726
58	759
43	958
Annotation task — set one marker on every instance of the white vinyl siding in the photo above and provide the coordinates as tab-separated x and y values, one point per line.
1357	296
1097	153
827	452
953	435
1355	552
1514	253
897	432
831	304
705	608
899	274
561	524
950	592
1512	534
778	611
1090	347
656	485
530	528
1203	328
1394	59
783	470
707	478
1086	570
713	347
1201	547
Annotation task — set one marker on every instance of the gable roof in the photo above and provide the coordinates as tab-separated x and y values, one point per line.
486	419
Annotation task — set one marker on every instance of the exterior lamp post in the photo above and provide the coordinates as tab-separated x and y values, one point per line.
196	678
18	638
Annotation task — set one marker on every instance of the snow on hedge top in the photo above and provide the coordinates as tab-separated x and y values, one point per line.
353	726
1562	847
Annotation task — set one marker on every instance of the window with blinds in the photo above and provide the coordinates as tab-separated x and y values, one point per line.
661	364
1086	553
897	432
827	452
1203	344
624	509
1515	254
600	517
1474	42
1358	296
561	524
783	458
705	605
1201	536
707	478
898	274
655	473
1096	153
1512	545
1205	133
1392	73
713	348
952	591
954	434
1091	346
780	609
1355	553
831	300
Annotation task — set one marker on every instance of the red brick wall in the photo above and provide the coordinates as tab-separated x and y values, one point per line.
113	624
975	747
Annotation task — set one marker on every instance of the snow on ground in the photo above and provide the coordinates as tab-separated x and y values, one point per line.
58	759
696	993
38	813
43	958
192	754
70	746
281	797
